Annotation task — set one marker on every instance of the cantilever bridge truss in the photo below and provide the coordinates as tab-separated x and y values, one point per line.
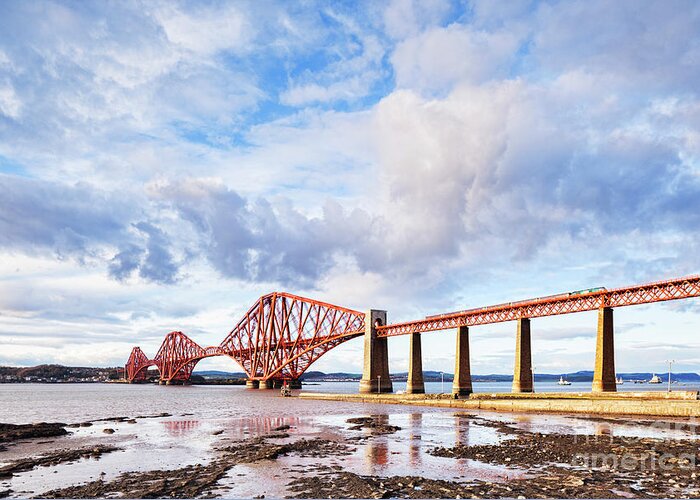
282	334
278	338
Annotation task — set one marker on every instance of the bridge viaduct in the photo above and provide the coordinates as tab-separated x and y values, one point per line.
282	334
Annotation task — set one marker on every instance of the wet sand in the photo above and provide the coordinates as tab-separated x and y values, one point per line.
413	455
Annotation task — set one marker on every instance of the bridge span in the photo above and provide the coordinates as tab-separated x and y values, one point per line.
282	334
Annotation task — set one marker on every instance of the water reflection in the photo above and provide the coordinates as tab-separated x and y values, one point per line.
180	428
415	421
462	428
377	451
246	426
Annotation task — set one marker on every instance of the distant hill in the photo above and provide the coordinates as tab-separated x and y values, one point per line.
58	373
220	374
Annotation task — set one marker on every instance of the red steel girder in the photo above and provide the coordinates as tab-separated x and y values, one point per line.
136	366
565	303
179	354
279	337
282	334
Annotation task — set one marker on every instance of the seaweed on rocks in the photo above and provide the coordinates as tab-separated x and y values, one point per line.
377	424
55	458
15	432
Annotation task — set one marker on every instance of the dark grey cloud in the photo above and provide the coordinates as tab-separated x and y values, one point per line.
38	215
84	223
125	262
154	261
256	241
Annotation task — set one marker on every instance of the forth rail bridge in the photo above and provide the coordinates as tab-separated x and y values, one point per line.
282	334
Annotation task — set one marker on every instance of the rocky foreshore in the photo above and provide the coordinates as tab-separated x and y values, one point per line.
542	465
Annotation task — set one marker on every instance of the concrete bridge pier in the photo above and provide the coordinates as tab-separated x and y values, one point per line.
522	374
462	384
375	373
251	384
265	384
604	373
414	384
295	383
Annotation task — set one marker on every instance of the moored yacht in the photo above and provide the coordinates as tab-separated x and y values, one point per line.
655	379
562	381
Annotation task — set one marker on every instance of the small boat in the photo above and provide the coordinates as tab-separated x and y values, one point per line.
619	381
655	379
563	382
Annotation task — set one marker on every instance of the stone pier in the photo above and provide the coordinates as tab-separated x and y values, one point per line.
522	373
462	384
414	384
604	374
251	384
265	384
375	373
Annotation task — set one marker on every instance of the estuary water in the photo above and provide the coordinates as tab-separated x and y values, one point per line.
200	419
26	403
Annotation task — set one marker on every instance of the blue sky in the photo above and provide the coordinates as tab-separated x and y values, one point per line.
163	164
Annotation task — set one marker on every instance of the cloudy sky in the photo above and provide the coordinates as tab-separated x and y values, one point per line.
164	164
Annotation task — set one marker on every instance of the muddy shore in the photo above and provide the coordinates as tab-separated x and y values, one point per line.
536	465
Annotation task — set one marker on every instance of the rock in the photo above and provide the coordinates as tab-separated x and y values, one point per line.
108	430
59	457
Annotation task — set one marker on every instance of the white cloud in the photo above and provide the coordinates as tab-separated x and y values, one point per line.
348	90
404	18
440	58
10	104
206	30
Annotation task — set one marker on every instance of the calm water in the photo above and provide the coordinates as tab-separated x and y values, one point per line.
22	403
206	417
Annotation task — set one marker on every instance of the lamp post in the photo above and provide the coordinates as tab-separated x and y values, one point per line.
379	384
670	362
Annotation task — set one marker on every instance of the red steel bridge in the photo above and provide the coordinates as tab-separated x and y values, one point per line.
277	339
282	334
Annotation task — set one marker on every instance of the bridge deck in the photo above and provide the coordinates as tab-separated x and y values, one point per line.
565	303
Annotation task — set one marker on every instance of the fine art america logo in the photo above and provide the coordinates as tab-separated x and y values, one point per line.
663	449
